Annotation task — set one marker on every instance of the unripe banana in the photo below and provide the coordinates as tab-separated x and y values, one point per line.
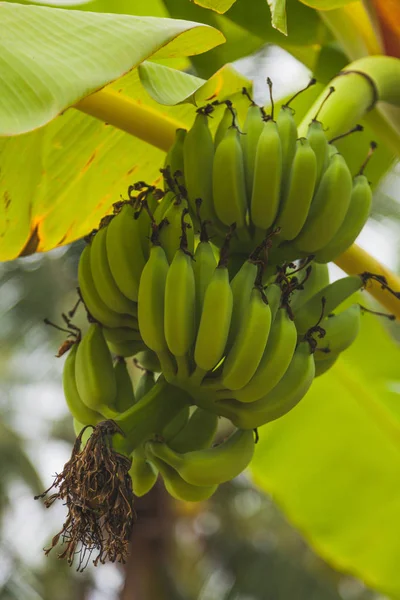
288	134
94	372
281	399
340	332
174	161
274	362
322	366
179	304
252	129
125	397
228	119
198	159
145	221
125	252
198	433
215	321
229	187
149	361
118	335
273	293
170	234
94	304
204	265
144	385
354	221
328	208
319	144
241	286
300	190
126	349
267	177
174	427
177	487
103	279
76	407
248	348
151	300
142	472
318	279
210	466
334	294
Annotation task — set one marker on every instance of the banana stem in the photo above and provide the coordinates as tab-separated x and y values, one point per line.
357	89
134	118
148	416
356	260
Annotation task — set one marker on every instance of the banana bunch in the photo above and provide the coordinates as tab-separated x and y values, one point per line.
263	178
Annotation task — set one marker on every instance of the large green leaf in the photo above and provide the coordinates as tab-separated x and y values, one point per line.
50	58
278	15
333	463
76	167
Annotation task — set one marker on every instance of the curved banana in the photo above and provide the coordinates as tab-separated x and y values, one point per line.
126	349
149	361
241	286
318	142
328	208
215	321
174	427
170	233
77	408
229	187
145	221
94	304
94	372
340	332
145	383
142	472
204	265
210	466
151	300
198	433
252	129
334	294
274	362
227	120
179	303
273	293
117	335
125	252
281	399
248	347
300	190
318	279
177	487
103	279
125	397
267	177
287	129
354	221
322	366
174	161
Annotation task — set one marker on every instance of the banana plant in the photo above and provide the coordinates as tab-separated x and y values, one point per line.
92	100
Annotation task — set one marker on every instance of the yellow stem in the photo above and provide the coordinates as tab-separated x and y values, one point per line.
356	260
131	116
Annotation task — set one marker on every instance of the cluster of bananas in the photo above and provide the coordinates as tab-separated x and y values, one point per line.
263	178
222	328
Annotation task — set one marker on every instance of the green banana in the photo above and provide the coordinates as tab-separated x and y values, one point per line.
248	348
198	433
340	332
318	142
118	335
215	321
103	279
288	134
94	304
228	119
252	129
125	397
94	372
328	208
126	349
125	252
210	466
149	361
142	472
174	427
145	220
334	294
318	279
267	177
241	286
170	233
229	187
274	362
300	190
76	406
145	383
354	221
177	487
273	293
204	265
174	161
179	303
322	366
280	399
